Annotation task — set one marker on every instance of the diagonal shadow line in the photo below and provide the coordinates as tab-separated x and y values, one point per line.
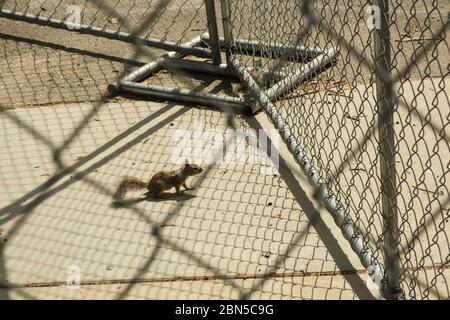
218	275
155	231
428	288
231	122
174	246
83	175
359	146
424	285
104	98
356	150
64	169
139	49
17	205
69	169
78	176
305	9
385	79
422	228
423	50
160	240
383	76
23	125
137	53
70	49
417	56
330	242
47	193
356	54
413	110
350	49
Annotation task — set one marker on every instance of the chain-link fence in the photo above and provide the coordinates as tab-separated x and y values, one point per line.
358	91
175	22
373	125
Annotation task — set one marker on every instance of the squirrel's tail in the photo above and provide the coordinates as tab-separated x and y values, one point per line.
127	184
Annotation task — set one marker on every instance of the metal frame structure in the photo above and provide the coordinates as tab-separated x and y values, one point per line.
316	60
386	135
172	61
386	280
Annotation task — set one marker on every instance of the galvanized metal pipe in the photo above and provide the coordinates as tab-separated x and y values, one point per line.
187	96
149	68
146	70
107	33
268	50
323	192
272	75
213	31
386	138
198	66
227	41
302	74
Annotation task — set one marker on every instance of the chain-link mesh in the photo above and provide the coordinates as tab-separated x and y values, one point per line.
334	116
178	21
241	233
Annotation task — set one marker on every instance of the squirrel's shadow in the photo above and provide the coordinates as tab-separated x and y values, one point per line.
166	196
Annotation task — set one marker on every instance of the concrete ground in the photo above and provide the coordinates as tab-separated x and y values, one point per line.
219	240
238	224
240	234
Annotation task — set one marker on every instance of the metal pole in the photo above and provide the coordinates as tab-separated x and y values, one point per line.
149	68
227	29
240	105
174	64
323	192
271	50
386	135
213	32
106	33
310	69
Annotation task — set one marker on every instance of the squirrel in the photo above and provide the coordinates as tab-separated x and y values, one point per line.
160	182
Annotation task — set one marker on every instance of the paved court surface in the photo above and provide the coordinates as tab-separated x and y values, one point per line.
240	233
238	224
216	241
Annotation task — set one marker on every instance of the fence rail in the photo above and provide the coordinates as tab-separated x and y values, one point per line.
359	92
347	125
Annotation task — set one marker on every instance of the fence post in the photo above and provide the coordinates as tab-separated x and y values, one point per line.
386	136
227	30
213	32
